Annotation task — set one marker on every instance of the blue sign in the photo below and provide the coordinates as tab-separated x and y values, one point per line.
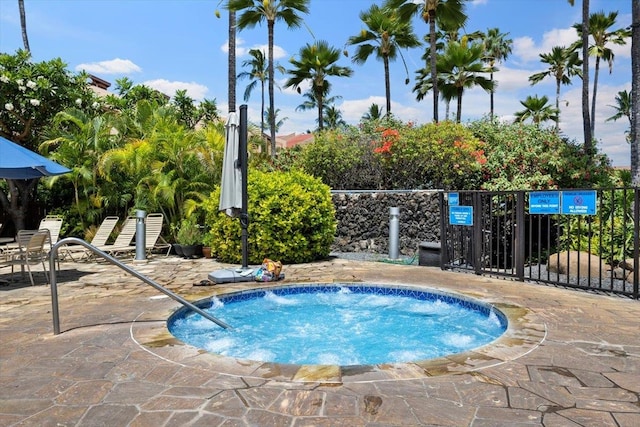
544	202
461	215
454	199
579	202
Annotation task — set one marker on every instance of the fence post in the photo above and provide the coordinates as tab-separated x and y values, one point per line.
520	236
444	236
636	240
477	242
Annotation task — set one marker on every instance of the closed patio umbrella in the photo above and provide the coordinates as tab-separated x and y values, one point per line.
18	162
231	185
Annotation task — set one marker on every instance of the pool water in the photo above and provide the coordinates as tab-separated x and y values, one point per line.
340	325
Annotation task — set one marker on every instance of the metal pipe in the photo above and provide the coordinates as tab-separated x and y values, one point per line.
394	227
141	235
243	157
54	285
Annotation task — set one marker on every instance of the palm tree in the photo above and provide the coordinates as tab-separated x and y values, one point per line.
497	48
586	120
460	67
563	64
317	62
276	120
537	109
622	107
432	12
311	104
258	73
333	117
599	25
635	93
23	25
257	11
373	113
385	35
232	61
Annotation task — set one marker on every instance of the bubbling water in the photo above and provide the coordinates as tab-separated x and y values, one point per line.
345	325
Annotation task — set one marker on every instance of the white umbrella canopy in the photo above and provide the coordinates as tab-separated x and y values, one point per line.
231	185
18	162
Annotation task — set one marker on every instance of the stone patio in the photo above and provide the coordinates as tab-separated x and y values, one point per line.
569	358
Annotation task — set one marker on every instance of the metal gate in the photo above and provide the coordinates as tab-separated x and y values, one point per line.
593	247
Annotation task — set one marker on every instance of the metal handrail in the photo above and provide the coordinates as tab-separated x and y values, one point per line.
54	286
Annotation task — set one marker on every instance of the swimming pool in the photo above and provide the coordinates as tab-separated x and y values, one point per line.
340	324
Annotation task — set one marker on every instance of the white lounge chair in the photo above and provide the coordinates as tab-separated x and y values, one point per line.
99	239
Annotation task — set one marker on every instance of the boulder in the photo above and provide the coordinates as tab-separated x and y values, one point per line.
568	263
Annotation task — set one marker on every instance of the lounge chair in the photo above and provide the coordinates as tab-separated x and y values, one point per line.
153	231
99	239
31	251
123	240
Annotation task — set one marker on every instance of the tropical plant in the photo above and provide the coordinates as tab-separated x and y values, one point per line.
188	232
461	67
190	114
316	62
537	109
273	118
292	220
333	117
448	13
599	25
523	156
496	49
258	73
386	35
563	65
311	104
373	113
31	94
256	11
78	140
623	109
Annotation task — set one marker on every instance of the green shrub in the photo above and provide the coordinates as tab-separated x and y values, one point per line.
189	232
291	219
525	157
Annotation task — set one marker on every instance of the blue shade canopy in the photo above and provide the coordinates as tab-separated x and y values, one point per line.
17	162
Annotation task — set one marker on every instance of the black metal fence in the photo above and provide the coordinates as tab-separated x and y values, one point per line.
585	239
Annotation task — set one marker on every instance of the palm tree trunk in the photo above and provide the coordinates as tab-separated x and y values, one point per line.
23	25
459	108
434	70
232	61
491	96
387	84
262	110
558	106
272	108
586	120
596	73
635	93
320	102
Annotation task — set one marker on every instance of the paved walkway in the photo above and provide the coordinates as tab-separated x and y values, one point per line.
569	358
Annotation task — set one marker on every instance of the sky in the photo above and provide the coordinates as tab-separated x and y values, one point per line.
181	44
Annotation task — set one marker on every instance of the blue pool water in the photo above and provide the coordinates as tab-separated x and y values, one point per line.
340	325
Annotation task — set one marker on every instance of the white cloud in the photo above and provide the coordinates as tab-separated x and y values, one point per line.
194	90
242	50
113	66
526	49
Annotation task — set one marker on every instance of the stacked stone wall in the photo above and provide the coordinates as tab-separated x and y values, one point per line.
363	220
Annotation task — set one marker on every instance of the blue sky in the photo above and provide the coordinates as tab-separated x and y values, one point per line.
180	44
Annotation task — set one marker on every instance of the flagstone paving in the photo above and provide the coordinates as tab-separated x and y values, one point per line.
569	358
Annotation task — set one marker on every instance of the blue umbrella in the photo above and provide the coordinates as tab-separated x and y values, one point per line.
17	162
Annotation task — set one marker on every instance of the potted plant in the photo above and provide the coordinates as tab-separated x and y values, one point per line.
206	245
189	238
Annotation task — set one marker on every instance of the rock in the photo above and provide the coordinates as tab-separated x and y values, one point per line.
569	263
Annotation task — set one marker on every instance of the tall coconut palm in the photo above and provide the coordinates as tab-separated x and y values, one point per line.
622	107
312	104
258	73
232	60
497	48
635	93
23	25
461	66
586	119
599	29
537	109
385	35
316	62
257	11
564	63
432	12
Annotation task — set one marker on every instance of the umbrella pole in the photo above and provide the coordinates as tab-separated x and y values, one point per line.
244	213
